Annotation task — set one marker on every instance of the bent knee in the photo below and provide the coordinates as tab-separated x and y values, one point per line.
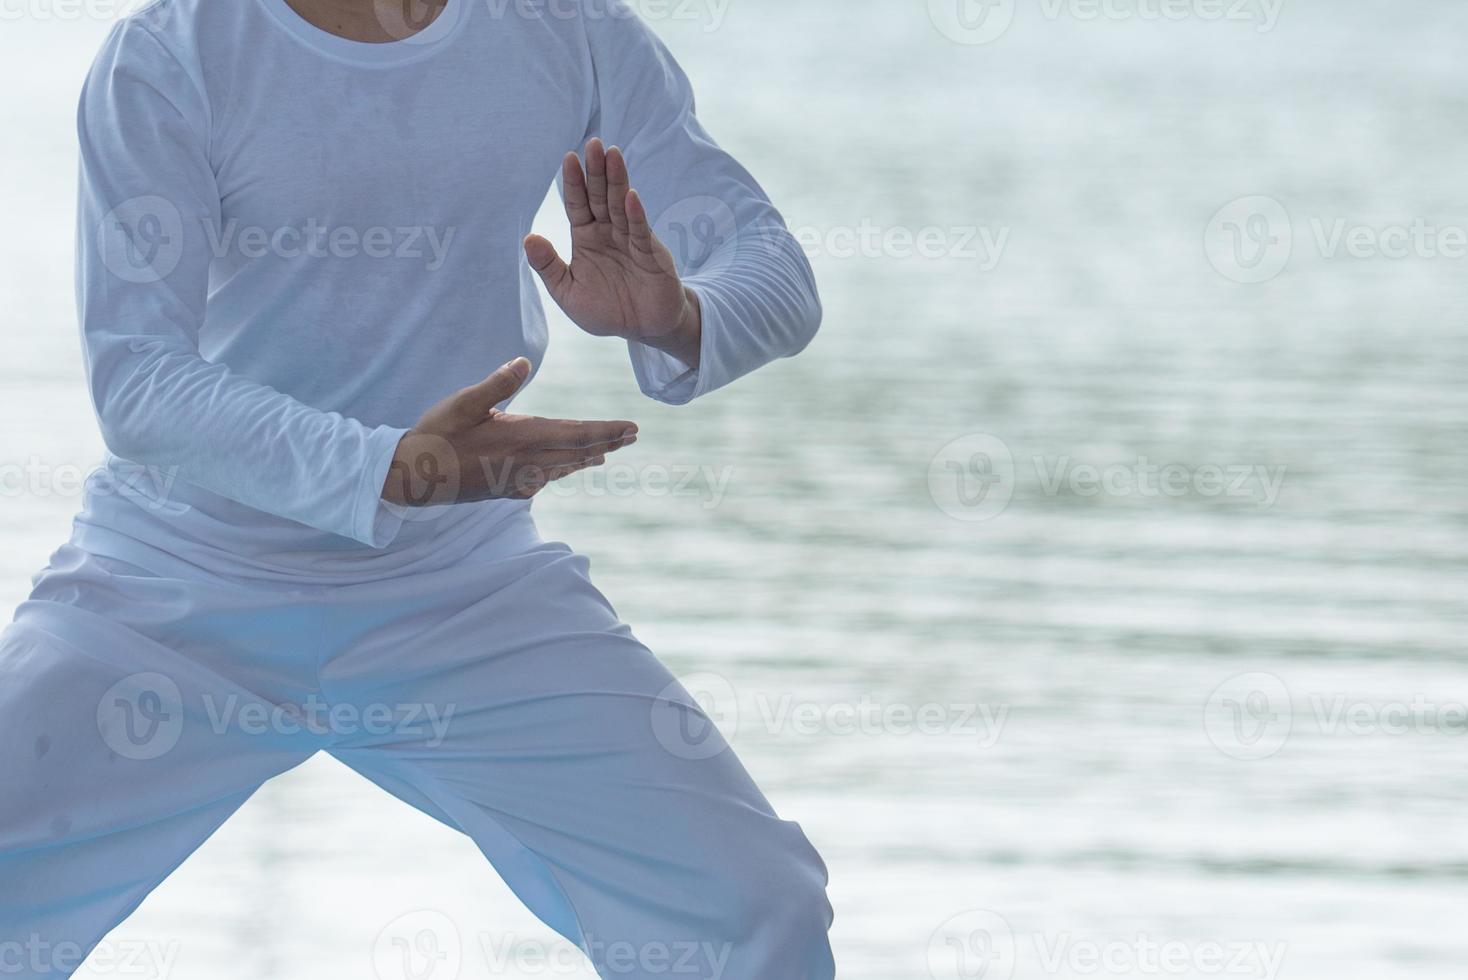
777	893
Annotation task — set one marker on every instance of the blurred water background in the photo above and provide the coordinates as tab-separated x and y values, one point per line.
1070	591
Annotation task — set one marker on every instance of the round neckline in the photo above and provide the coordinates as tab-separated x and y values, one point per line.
424	43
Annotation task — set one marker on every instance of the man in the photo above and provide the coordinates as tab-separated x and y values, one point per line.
303	226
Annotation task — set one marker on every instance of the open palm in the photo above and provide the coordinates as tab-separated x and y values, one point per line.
621	280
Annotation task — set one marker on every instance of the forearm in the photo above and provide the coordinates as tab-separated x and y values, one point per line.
163	407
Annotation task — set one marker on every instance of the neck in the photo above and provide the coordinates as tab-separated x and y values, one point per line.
369	21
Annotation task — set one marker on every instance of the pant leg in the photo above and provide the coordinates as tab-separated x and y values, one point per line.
592	781
114	766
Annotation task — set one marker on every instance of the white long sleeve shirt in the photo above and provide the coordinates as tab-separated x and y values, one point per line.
290	244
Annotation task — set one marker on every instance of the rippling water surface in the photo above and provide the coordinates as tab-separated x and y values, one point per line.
1216	702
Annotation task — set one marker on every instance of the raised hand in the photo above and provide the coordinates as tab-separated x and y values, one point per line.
464	449
621	280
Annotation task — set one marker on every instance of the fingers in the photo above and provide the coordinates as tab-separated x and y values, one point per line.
474	402
639	232
599	193
596	180
535	479
644	247
559	472
517	455
551	268
546	434
575	457
618	184
548	464
573	183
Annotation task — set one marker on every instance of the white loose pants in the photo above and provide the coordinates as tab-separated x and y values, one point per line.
139	708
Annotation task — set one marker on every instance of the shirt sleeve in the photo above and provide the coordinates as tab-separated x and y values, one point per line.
147	199
756	292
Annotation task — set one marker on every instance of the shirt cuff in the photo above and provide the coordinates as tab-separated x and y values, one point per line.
663	377
378	522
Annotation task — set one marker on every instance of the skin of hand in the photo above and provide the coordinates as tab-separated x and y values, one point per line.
621	280
464	449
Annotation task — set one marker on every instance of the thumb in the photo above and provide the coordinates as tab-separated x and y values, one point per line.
541	255
474	402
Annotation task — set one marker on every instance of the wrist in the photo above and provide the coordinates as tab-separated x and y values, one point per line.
424	471
686	338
